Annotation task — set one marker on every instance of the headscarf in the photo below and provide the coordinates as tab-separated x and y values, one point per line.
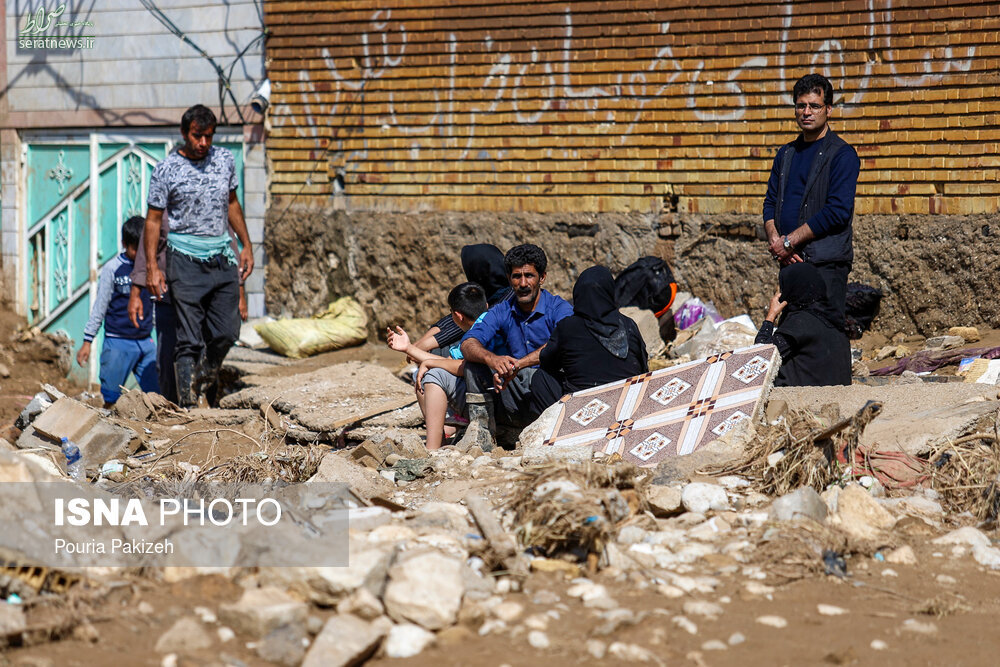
594	302
483	265
804	289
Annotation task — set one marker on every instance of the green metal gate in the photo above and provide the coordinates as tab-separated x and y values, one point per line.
78	189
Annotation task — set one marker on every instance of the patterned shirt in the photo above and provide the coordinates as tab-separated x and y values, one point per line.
195	194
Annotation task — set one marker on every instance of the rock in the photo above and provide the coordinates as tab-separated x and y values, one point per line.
225	633
12	620
987	557
596	648
701	497
285	645
736	638
346	640
860	515
772	621
262	610
535	452
365	519
967	334
946	580
538	640
803	503
571	570
649	328
4	371
919	627
830	610
631	653
968	535
537	622
704	608
363	604
184	636
425	588
710	529
509	611
685	624
328	585
585	590
336	468
664	501
902	556
878	645
943	342
406	641
714	645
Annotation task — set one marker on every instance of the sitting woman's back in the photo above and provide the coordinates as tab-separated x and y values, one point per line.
814	351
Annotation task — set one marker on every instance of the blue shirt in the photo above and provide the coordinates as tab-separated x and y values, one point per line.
114	286
523	332
496	346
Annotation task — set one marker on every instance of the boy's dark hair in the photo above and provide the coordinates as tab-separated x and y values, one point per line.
814	83
526	253
469	299
200	115
132	231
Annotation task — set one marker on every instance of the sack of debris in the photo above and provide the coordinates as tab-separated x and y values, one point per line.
342	324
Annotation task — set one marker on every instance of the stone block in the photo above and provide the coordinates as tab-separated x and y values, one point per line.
262	610
66	418
346	640
106	441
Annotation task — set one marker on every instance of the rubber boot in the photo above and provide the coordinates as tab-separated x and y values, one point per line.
207	381
184	370
481	424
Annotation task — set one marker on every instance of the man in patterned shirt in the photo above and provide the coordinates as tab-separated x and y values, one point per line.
196	186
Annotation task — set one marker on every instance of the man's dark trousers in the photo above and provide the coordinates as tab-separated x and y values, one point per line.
206	297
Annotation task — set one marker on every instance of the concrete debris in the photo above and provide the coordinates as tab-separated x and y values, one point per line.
700	497
425	588
346	640
860	515
407	640
262	610
803	503
184	636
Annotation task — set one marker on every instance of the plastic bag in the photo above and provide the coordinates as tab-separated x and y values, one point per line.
342	324
693	310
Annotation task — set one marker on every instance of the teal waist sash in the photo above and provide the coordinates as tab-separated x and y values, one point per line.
202	247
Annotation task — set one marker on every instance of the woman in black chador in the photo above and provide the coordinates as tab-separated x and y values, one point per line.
594	346
814	350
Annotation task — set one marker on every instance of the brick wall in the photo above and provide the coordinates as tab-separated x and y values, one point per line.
410	105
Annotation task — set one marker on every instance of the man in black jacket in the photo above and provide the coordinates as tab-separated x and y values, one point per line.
809	204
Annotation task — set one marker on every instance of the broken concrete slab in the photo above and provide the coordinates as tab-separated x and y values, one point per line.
105	441
66	418
914	418
671	412
319	400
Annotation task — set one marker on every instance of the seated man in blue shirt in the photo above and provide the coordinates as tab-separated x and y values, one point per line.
497	385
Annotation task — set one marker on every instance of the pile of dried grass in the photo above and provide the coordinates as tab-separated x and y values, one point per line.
576	509
966	472
295	464
794	550
808	447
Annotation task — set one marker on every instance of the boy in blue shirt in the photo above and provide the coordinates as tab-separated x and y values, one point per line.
127	349
440	381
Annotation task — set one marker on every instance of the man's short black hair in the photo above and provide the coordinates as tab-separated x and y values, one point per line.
200	115
132	231
814	83
468	299
526	253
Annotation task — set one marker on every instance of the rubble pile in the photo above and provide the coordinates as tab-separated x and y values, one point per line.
594	559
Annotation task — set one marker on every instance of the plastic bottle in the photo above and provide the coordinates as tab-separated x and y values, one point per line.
74	460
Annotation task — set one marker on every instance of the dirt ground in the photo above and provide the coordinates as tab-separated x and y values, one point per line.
941	610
